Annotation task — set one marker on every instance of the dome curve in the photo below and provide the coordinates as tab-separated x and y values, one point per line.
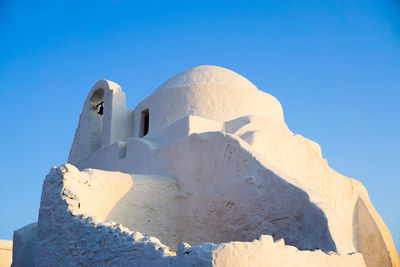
207	74
210	92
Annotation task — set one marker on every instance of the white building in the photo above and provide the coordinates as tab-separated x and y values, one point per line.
206	160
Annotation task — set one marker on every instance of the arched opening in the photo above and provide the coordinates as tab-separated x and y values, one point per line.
95	122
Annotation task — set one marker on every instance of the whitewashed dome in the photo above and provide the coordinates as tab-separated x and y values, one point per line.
210	92
212	76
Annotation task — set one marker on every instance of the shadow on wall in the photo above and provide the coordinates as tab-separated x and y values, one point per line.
234	206
368	238
149	206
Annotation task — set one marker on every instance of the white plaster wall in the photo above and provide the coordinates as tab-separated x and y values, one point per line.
116	123
5	253
146	203
265	252
334	194
220	179
68	238
24	246
302	159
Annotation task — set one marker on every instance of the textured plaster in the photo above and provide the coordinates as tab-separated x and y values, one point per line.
218	169
89	241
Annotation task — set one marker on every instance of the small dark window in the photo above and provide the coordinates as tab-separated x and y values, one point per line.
100	108
144	123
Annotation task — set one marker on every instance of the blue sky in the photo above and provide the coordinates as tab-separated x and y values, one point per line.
333	65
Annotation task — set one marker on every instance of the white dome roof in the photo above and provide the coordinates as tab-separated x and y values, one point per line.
207	75
209	92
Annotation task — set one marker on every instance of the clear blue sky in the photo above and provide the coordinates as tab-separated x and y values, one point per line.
334	66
